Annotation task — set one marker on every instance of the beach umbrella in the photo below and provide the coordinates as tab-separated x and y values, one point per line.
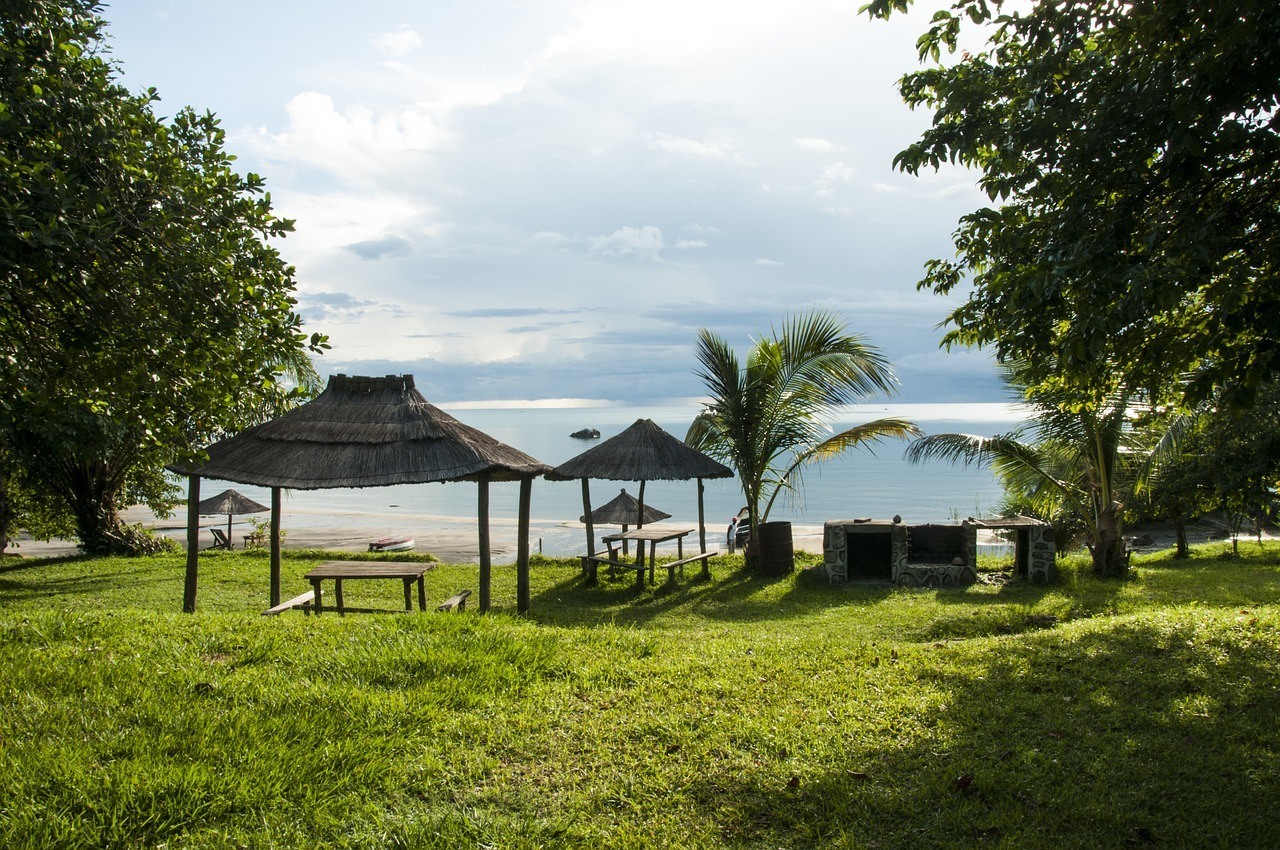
624	510
231	503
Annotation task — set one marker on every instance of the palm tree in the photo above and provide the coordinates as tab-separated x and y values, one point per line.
1072	459
770	418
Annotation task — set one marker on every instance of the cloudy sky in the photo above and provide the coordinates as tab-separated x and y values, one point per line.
528	200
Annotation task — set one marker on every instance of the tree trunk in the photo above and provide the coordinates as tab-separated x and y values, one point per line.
6	511
1110	557
1180	535
91	497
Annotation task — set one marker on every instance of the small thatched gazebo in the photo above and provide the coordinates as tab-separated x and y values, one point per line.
643	452
365	432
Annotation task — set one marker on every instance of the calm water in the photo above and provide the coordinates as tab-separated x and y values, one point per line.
874	482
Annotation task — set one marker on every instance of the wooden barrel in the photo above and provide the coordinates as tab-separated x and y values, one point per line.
777	558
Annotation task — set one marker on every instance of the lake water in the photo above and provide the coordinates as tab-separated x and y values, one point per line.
875	482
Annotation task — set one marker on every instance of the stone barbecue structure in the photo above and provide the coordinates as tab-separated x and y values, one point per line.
929	555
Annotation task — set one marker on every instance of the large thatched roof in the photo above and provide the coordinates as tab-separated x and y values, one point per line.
364	432
643	452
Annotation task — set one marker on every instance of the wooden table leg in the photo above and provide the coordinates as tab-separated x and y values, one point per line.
679	557
408	594
315	587
337	593
422	594
653	556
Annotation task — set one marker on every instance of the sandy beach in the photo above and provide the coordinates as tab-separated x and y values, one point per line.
455	539
451	539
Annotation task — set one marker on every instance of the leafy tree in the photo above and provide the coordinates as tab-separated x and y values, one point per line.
768	419
1231	463
1132	148
1073	461
142	310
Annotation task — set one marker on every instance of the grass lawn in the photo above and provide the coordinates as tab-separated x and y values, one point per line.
735	712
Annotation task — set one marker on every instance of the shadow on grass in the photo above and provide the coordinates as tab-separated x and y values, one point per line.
1146	733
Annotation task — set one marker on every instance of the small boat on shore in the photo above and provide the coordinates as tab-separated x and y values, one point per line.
392	544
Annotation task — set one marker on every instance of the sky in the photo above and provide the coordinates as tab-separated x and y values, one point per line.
548	200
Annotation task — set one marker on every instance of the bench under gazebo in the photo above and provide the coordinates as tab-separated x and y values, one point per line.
364	432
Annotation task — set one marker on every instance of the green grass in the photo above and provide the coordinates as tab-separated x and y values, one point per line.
737	712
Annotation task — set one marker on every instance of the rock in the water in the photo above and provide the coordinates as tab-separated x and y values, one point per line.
586	434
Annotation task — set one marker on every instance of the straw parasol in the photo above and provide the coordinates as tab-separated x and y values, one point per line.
624	510
368	432
231	503
643	452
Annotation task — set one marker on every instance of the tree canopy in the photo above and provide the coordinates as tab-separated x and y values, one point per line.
1132	147
143	309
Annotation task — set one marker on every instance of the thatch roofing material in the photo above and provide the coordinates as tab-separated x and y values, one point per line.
623	510
230	502
364	432
643	452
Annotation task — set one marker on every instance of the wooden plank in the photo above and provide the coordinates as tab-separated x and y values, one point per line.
458	601
300	601
368	569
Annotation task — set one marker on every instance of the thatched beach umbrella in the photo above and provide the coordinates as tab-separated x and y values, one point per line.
367	432
643	452
231	503
624	510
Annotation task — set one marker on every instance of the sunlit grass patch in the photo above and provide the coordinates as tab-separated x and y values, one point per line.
732	711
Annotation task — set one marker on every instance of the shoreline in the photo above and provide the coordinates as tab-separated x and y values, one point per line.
451	539
454	539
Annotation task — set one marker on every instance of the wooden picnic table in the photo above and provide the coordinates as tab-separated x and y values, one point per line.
340	571
653	535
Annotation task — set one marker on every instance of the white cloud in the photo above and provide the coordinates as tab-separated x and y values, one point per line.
820	145
706	150
643	242
398	43
357	142
764	261
836	172
690	243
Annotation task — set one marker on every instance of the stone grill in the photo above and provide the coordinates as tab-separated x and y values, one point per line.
929	555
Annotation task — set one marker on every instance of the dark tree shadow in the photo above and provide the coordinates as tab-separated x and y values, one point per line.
1020	754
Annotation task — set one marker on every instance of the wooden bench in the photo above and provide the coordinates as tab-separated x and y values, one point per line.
590	564
457	602
701	556
302	600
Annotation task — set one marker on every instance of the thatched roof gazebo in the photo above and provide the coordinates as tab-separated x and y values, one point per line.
365	432
643	452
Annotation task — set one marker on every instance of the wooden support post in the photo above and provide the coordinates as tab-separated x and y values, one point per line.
522	547
702	529
640	524
193	545
482	510
275	546
586	511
